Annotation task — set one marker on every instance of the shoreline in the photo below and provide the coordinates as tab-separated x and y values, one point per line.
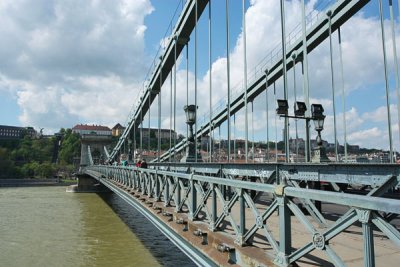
34	182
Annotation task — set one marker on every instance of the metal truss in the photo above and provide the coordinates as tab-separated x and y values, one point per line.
316	34
222	201
175	44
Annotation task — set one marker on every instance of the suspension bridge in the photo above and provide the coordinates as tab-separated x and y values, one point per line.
220	210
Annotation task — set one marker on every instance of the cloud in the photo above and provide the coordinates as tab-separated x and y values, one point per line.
58	56
71	61
363	68
359	137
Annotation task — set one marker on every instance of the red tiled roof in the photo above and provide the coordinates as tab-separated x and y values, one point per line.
118	126
91	127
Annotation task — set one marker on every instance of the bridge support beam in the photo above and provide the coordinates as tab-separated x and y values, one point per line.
285	235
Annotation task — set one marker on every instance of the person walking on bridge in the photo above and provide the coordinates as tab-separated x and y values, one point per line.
139	163
144	164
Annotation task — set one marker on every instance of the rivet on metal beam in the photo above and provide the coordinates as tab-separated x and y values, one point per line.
180	221
199	232
224	248
166	214
155	207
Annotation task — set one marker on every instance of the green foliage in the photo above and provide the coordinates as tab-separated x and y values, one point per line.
70	146
7	167
29	149
32	157
45	170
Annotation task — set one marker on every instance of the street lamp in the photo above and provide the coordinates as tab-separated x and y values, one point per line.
317	112
129	150
316	115
282	108
190	111
300	109
191	150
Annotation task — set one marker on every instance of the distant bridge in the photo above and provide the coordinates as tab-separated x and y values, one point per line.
223	213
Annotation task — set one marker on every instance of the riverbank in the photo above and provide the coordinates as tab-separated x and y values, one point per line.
35	182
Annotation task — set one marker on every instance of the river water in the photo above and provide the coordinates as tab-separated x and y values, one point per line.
46	226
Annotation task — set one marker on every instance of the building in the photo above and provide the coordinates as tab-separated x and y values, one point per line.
153	133
14	132
91	129
117	130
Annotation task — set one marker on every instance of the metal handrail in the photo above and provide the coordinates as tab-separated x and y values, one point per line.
184	188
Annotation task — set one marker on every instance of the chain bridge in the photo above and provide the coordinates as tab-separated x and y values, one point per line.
220	203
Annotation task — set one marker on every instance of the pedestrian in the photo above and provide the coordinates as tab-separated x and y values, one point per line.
139	163
144	164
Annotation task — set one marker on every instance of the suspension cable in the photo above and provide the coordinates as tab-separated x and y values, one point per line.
286	127
386	81
266	109
134	140
252	128
187	89
234	137
245	81
343	95
170	120
176	43
396	66
295	100
141	131
210	77
219	145
195	82
329	14
149	131
306	91
159	118
228	80
276	129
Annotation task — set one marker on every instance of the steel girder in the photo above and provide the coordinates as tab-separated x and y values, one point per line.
176	42
341	12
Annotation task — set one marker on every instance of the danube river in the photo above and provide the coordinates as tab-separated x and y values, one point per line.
46	226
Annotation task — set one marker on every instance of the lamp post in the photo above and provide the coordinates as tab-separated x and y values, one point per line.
316	115
129	150
191	150
319	152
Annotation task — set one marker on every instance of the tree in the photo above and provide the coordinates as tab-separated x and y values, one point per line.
70	147
7	166
45	170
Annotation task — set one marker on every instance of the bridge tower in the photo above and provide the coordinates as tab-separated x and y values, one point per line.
97	146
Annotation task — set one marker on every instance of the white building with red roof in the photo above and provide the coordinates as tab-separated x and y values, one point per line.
91	129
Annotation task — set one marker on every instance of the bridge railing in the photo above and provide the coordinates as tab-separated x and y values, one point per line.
231	205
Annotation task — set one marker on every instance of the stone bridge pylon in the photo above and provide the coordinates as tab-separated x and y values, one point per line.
94	149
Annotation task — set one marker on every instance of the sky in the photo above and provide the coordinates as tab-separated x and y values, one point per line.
69	62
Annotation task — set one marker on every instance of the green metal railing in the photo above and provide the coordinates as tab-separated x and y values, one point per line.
196	194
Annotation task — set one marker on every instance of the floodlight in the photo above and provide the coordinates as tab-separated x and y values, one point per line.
282	107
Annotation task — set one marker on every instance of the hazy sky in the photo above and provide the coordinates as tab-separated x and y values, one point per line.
69	62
